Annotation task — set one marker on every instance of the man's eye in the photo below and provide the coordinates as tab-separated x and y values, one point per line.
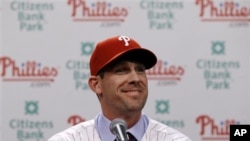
120	70
141	69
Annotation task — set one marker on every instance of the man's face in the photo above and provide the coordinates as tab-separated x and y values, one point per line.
124	88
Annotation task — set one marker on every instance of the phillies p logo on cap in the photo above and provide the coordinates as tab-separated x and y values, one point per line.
114	47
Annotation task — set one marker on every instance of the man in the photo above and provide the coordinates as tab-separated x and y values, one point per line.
118	78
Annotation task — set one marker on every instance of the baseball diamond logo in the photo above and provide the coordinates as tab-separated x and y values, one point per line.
31	107
162	106
218	47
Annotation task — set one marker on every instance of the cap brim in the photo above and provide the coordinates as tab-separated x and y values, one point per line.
141	55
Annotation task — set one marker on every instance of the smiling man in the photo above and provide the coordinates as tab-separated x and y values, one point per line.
118	77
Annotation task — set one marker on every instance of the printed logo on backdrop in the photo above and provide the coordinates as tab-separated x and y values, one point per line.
30	127
166	74
36	73
210	129
75	119
217	69
109	14
161	14
162	110
236	13
31	15
80	67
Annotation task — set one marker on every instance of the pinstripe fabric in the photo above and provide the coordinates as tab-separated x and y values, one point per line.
86	132
159	132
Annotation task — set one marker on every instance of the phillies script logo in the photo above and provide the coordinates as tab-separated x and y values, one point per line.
223	11
96	11
210	130
163	71
75	119
26	71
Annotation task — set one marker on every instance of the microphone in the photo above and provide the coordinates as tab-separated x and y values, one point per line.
118	127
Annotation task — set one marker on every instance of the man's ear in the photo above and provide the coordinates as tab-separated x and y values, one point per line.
94	84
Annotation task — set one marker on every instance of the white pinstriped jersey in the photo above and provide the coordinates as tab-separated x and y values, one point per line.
86	131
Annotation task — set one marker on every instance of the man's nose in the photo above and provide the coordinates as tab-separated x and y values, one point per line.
134	76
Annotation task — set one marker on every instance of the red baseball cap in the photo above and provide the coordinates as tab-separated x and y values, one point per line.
115	47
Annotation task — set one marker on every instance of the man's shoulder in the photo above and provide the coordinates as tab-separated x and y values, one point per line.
158	126
75	131
160	129
81	126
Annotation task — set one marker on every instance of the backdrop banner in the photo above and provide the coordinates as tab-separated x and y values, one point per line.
199	86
